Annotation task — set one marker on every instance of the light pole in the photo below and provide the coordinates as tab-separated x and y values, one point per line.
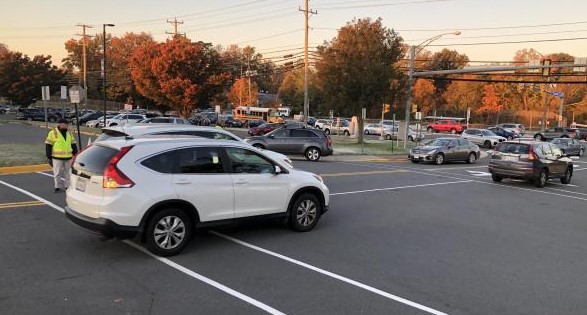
413	53
104	68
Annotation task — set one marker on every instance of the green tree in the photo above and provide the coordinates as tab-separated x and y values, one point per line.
21	77
355	69
445	60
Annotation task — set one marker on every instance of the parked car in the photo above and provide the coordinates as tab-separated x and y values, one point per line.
164	120
87	117
37	114
321	122
309	142
230	121
254	123
165	188
441	150
534	161
582	133
556	132
98	122
517	128
263	129
5	109
139	130
393	134
506	133
375	129
123	119
482	137
446	125
569	146
311	121
338	127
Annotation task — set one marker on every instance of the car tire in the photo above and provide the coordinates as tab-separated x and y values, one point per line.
487	144
52	119
538	138
259	146
367	132
346	133
30	118
430	130
327	131
496	178
387	137
581	152
304	212
439	159
568	175
410	138
453	131
542	178
472	158
510	138
415	161
163	244
312	154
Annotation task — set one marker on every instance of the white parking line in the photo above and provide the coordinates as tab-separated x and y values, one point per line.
332	275
398	187
168	262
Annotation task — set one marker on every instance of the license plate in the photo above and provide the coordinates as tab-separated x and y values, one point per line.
509	158
80	184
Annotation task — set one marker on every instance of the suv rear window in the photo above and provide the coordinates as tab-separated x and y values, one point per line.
107	134
93	160
515	148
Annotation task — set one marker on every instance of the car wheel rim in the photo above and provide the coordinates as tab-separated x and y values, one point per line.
568	175
439	159
471	158
169	232
543	178
313	155
306	212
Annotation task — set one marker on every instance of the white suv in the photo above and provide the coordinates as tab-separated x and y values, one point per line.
123	119
163	188
140	129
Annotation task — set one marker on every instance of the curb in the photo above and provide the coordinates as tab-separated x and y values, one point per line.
24	169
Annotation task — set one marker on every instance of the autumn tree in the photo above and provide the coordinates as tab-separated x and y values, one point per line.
423	95
462	95
73	62
355	69
178	73
490	103
243	94
21	77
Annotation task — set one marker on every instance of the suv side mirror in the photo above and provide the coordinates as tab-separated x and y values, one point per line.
278	170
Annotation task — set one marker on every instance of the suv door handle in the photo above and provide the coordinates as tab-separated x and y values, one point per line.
182	182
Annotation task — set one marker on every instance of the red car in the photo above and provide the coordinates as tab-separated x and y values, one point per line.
263	129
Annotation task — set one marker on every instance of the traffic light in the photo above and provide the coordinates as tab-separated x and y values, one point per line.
386	108
414	108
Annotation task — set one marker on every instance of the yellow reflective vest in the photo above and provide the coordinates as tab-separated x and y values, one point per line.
62	148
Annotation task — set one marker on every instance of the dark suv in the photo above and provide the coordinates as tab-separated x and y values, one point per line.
310	142
534	161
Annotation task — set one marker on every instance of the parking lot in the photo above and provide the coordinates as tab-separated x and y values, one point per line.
400	238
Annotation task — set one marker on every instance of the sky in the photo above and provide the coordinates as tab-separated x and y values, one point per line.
491	30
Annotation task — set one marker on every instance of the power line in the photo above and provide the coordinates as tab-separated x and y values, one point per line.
379	5
512	42
493	28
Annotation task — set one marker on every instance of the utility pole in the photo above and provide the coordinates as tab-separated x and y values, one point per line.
307	13
174	22
85	59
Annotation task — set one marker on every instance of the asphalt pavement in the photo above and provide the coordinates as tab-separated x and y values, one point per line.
400	238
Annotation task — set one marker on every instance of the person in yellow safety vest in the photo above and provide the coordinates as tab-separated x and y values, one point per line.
60	147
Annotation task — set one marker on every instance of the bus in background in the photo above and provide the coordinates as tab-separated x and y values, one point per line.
284	111
246	113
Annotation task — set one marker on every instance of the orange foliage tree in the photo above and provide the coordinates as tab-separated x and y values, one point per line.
179	74
239	93
423	95
490	104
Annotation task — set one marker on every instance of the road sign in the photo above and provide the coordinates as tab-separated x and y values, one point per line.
418	115
45	93
63	92
74	94
363	113
580	61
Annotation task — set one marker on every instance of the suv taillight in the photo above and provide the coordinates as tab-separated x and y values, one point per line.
531	155
113	177
328	141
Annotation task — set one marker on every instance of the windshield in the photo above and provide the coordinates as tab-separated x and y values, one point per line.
488	133
440	142
559	141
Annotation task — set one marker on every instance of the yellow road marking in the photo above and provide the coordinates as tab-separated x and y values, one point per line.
361	173
20	204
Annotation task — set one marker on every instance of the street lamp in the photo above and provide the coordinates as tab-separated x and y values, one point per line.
411	75
104	67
